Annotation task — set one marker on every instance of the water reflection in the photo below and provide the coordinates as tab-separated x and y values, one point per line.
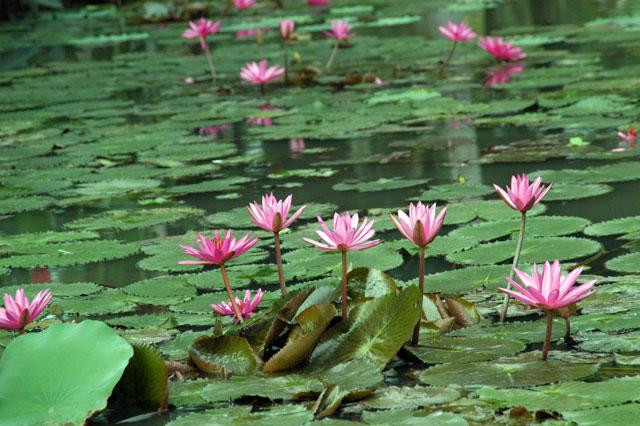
260	120
296	148
214	131
502	75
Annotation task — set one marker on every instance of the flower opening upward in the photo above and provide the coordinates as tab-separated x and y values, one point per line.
345	234
218	250
523	195
243	4
501	50
272	215
457	32
18	312
201	29
260	73
247	306
287	26
340	30
421	225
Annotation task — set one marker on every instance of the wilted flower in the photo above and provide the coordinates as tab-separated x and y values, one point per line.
347	234
501	50
457	32
217	251
247	306
287	26
243	4
18	312
201	29
421	225
340	30
523	195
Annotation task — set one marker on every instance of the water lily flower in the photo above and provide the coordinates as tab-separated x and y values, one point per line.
251	32
18	312
287	26
340	30
420	227
630	137
457	32
502	75
296	148
243	4
549	291
214	131
247	306
346	235
522	196
201	30
260	74
272	216
217	252
259	120
501	50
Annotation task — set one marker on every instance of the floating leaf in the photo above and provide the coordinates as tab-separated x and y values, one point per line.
223	354
393	397
626	263
124	220
464	349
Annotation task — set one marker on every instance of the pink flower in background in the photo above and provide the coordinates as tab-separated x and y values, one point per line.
318	2
523	195
18	312
247	306
296	148
189	80
262	121
502	75
457	32
501	50
630	137
272	215
201	29
260	74
243	4
214	131
340	30
550	290
251	32
347	234
217	251
422	225
287	26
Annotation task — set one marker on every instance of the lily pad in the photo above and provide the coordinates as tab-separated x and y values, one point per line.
464	350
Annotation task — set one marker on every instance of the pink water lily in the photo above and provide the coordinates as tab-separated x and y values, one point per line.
201	29
259	120
340	30
217	252
273	214
247	306
287	26
18	311
214	131
457	32
549	291
243	4
347	235
501	50
420	227
523	195
260	74
630	137
318	2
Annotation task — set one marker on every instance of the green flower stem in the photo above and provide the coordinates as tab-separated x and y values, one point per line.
453	49
344	286
333	55
415	339
286	63
516	259
212	69
232	298
567	330
547	337
283	287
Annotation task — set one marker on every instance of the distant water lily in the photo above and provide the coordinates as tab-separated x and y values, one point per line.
347	234
201	29
420	226
522	196
502	74
260	74
214	131
218	251
18	311
273	216
243	4
549	291
631	137
287	26
247	306
500	49
457	33
340	31
259	120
